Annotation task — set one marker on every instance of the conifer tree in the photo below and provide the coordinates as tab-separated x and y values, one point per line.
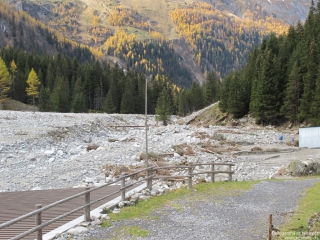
108	105
236	96
266	108
211	89
309	84
5	81
127	103
59	98
223	103
163	109
44	99
291	102
33	86
315	105
183	104
196	96
78	104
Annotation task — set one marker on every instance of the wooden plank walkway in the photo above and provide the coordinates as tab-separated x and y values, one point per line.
15	204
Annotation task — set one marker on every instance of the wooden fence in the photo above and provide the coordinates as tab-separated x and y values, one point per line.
150	176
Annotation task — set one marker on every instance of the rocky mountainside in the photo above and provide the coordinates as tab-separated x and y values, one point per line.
290	11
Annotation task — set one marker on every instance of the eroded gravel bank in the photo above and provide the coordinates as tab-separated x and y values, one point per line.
50	150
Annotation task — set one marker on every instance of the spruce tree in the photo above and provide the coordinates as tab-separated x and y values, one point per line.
309	84
196	97
78	104
291	102
315	105
59	99
44	99
211	89
236	96
163	109
223	103
266	108
183	103
127	103
108	105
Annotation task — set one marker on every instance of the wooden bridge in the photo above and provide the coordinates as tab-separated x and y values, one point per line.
16	204
31	220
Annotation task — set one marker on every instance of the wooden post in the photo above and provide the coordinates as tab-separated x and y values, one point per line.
230	174
190	175
87	208
270	227
38	222
123	190
212	174
149	180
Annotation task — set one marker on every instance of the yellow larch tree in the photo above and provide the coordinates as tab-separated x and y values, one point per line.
33	85
5	81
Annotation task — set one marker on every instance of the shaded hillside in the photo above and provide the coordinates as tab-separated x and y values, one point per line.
20	31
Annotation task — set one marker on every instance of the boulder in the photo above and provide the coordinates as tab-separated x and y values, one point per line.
297	168
313	168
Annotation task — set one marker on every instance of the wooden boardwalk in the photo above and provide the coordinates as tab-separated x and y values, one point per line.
15	204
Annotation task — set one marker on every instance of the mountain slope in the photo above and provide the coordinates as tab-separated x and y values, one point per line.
219	33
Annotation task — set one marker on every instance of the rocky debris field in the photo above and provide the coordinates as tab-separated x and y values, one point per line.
60	150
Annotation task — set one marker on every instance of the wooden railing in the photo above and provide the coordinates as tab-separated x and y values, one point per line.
150	176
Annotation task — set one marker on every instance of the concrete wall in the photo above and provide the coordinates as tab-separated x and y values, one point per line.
309	137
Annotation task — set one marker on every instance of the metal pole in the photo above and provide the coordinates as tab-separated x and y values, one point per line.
146	122
38	222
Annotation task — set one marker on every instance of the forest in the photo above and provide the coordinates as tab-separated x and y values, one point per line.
60	84
281	80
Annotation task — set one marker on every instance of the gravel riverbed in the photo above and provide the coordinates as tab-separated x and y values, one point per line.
60	150
65	150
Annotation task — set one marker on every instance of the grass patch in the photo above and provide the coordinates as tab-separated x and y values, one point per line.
200	192
132	232
308	206
140	34
135	231
106	223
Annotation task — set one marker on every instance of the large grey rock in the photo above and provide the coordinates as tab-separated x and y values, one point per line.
297	168
77	230
313	168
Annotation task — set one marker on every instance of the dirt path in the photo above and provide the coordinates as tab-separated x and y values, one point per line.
213	217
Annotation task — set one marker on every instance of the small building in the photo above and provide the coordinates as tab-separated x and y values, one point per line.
309	137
